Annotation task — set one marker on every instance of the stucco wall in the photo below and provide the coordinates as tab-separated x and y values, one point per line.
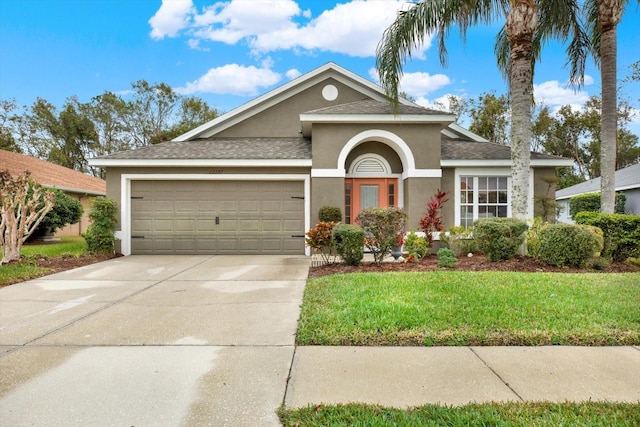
329	139
449	208
283	119
418	191
326	192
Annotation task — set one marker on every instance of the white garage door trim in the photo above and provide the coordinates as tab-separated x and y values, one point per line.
125	196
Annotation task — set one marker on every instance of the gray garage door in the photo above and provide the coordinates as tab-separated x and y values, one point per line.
217	217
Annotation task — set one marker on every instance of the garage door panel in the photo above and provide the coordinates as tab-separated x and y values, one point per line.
163	206
292	225
143	225
185	206
206	226
249	225
253	217
163	225
185	225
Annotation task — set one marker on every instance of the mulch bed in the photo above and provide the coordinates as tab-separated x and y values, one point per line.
478	262
58	264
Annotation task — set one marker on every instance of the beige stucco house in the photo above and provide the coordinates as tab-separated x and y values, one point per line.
252	180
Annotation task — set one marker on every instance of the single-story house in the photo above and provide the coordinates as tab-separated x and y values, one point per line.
252	180
78	185
627	182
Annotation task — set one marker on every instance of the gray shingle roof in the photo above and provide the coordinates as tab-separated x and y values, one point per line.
628	177
462	150
370	106
222	148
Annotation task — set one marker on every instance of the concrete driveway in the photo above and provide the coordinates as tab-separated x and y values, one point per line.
151	340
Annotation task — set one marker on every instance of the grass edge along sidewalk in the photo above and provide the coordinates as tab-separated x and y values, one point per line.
603	414
471	309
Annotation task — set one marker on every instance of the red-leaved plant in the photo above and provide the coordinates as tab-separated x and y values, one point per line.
432	220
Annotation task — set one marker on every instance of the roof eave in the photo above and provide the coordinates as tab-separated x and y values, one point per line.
200	162
306	120
504	162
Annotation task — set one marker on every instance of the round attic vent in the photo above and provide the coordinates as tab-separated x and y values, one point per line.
330	92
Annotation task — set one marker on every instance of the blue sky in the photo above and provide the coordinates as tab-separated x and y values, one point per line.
227	52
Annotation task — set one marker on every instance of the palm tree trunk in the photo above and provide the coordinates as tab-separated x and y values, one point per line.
521	22
608	17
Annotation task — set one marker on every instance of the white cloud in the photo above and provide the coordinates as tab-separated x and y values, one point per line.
172	17
555	93
292	73
232	79
353	28
420	84
417	84
441	103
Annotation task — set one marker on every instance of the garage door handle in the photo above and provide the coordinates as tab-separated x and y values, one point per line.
298	197
217	220
137	237
297	235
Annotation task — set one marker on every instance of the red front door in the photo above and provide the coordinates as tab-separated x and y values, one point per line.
362	193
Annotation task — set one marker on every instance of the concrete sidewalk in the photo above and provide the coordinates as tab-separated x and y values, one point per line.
412	376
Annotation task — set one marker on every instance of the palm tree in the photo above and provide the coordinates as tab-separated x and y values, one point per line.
603	17
528	24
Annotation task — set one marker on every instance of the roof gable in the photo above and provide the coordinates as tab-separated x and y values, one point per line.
51	175
367	89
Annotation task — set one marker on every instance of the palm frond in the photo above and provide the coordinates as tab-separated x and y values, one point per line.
412	26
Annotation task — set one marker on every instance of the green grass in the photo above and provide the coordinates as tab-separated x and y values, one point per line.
26	268
471	308
490	414
67	246
14	273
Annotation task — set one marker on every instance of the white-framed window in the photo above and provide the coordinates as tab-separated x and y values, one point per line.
483	197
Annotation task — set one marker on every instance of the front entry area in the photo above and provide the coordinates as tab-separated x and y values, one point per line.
362	193
217	217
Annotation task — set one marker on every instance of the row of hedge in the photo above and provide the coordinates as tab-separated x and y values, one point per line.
611	236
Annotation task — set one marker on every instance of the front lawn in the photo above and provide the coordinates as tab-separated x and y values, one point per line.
488	414
471	308
33	254
67	246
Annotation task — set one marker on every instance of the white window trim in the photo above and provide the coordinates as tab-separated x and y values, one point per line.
490	172
124	235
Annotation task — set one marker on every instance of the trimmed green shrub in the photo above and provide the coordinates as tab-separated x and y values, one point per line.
499	238
459	240
590	202
416	246
348	239
66	210
446	258
621	233
567	245
533	236
330	214
382	229
100	235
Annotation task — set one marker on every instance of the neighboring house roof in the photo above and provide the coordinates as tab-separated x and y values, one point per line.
626	179
51	175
